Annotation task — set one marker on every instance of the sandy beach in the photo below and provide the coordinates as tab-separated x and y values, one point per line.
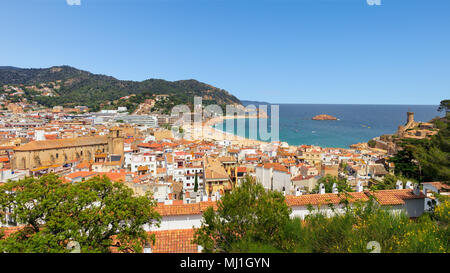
205	131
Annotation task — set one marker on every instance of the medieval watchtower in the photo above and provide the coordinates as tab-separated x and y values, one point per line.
410	117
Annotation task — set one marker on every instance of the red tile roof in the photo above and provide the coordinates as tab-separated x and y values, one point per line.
438	185
394	197
4	159
184	209
325	199
174	241
7	231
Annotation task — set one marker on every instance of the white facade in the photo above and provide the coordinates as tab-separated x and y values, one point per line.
281	181
143	159
273	179
177	222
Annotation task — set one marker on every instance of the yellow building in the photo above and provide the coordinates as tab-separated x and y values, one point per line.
62	151
312	157
216	178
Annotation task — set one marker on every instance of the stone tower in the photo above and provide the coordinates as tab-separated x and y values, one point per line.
115	141
410	117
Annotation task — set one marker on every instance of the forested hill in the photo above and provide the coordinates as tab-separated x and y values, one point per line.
78	87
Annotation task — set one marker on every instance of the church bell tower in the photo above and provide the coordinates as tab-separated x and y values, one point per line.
115	141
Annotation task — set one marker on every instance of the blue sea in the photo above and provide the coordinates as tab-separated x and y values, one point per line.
357	123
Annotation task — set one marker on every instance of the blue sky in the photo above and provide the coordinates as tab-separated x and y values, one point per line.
285	51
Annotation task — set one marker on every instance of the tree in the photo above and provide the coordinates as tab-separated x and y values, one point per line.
328	181
248	215
426	159
444	106
251	221
98	214
196	183
405	164
389	182
371	143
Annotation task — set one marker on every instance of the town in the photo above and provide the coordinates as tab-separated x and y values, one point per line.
186	175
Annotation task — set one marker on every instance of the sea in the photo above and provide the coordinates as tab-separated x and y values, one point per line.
356	123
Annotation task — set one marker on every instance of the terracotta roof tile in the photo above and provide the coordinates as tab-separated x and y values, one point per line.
174	241
394	197
61	143
324	199
184	209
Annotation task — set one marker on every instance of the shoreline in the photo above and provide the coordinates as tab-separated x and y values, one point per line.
208	132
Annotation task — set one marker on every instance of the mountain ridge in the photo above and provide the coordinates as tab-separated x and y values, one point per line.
83	87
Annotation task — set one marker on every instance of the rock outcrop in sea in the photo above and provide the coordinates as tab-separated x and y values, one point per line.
324	117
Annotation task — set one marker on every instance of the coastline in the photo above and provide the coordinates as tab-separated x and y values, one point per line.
208	132
336	135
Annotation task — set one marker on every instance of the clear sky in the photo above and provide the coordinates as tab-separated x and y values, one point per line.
285	51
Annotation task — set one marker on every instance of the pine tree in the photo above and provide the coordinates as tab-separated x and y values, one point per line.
196	183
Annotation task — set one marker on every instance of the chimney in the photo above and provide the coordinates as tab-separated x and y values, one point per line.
147	248
218	195
399	185
409	185
298	192
359	186
334	188
321	188
416	189
204	197
199	248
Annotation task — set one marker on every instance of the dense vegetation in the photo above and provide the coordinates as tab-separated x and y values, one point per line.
426	159
98	214
83	88
328	181
251	219
389	182
249	214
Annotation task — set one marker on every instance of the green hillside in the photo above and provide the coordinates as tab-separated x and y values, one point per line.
78	87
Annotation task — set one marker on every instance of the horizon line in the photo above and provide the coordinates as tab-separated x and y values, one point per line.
315	103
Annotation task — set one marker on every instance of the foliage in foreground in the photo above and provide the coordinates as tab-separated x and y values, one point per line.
249	214
236	226
97	213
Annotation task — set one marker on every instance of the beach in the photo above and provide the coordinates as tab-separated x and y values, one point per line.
205	131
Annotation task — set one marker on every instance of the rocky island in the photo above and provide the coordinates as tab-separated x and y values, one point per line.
324	117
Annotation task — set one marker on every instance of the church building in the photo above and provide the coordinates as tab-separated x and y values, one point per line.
37	154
